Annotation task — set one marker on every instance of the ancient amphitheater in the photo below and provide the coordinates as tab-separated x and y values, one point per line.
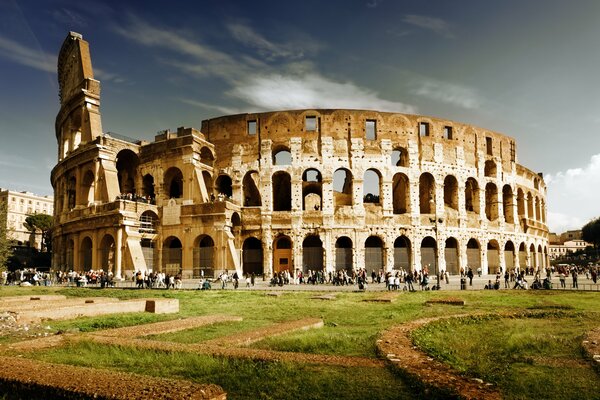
288	190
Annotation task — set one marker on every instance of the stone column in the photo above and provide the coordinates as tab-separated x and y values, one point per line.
118	253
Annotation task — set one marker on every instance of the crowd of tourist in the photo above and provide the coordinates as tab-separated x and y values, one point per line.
527	278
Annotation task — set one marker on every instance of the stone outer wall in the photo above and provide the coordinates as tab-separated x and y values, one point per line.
446	196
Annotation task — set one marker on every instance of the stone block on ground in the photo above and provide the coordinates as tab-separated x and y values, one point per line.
162	306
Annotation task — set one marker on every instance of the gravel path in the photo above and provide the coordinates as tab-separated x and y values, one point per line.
396	345
246	338
591	347
168	326
38	380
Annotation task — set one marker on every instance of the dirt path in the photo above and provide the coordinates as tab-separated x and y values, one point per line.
168	326
246	338
39	380
396	345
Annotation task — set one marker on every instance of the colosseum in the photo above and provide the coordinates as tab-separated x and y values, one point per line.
287	190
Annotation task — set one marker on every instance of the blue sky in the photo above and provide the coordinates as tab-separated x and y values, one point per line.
527	69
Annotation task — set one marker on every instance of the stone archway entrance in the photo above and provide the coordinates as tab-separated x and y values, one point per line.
282	255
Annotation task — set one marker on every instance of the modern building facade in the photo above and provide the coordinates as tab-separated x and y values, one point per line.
19	206
288	190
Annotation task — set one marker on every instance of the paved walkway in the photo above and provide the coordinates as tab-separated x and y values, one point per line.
478	284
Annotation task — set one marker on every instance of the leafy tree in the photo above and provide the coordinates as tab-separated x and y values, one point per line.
591	232
5	240
40	223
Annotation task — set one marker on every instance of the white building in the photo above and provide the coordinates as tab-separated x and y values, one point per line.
19	206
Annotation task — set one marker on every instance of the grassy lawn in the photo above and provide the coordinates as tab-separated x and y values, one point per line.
535	357
526	357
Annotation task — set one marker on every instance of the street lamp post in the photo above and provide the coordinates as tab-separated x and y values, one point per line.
435	228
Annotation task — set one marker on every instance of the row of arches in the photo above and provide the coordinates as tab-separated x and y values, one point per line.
403	254
372	254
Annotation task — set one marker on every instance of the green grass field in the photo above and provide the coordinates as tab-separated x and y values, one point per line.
526	357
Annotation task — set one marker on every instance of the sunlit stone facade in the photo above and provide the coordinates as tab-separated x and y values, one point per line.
288	190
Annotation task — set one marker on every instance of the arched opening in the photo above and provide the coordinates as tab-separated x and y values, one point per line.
172	254
489	169
520	203
374	253
491	202
107	254
343	254
148	188
451	192
236	221
282	191
400	157
451	255
87	188
282	255
509	255
426	194
530	214
208	184
252	257
204	256
508	204
223	185
371	186
282	156
533	257
85	256
148	222
402	253
429	255
493	257
312	190
473	255
522	256
472	196
174	183
127	163
250	185
537	208
400	193
342	187
312	254
206	156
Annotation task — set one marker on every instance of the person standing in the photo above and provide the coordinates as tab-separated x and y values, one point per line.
574	274
470	276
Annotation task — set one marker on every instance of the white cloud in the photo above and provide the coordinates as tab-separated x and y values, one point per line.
449	93
373	3
573	196
277	91
27	56
291	86
266	48
436	25
224	110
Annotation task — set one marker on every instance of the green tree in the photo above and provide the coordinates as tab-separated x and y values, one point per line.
591	232
5	240
40	223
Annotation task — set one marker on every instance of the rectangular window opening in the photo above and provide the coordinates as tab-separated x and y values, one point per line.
448	132
371	129
252	127
488	145
423	129
310	124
